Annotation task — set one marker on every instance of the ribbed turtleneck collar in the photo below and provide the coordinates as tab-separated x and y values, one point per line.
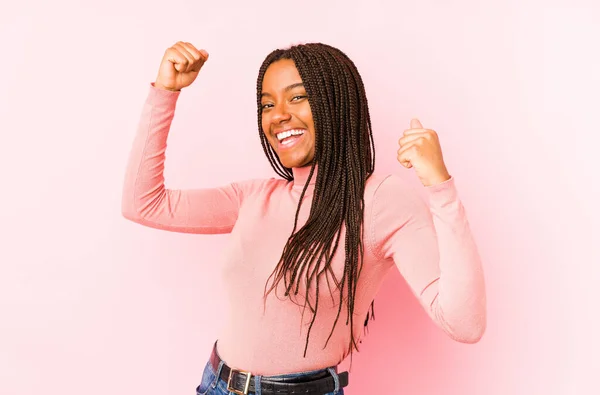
301	175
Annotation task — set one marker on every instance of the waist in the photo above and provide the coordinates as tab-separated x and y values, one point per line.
239	381
267	354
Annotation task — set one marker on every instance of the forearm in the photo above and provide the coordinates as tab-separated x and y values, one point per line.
458	297
144	181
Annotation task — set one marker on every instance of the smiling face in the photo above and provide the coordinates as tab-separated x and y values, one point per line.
287	120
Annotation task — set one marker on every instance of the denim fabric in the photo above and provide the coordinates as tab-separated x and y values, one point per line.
212	385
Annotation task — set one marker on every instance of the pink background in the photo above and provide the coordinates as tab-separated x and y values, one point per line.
92	304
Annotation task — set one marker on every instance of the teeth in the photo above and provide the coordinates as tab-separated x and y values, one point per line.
293	132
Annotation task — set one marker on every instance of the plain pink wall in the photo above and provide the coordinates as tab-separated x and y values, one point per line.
92	304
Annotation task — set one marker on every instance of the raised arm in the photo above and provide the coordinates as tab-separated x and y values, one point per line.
435	252
145	199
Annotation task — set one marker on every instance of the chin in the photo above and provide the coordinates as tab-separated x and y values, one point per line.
298	158
307	163
296	163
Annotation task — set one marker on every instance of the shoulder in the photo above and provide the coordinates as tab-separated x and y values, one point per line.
259	185
389	197
383	187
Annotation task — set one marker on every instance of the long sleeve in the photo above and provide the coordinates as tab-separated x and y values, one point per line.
434	250
145	199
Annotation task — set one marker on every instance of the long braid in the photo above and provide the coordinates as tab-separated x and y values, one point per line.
345	155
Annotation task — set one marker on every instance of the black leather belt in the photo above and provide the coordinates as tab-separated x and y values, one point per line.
242	383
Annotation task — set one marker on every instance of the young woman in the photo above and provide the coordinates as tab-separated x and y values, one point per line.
310	250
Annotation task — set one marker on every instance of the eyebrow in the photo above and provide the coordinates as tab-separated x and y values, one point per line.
286	89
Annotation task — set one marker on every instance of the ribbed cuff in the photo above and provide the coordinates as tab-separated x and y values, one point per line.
161	97
442	193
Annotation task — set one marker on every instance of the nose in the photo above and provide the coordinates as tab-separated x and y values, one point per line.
280	113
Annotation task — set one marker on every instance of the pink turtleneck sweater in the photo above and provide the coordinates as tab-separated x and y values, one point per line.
431	244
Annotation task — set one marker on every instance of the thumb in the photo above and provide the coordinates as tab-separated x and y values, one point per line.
415	124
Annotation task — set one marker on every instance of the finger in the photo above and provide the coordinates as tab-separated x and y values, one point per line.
197	65
409	150
190	58
405	162
195	51
417	131
192	50
200	57
411	137
203	57
415	124
202	52
176	57
407	154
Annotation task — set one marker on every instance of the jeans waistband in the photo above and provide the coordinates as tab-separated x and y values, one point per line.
257	382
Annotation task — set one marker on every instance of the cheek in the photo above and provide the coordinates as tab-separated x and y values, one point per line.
308	121
307	115
307	118
265	126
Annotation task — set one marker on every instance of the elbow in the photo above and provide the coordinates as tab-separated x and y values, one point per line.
129	215
471	331
129	211
472	336
468	323
465	325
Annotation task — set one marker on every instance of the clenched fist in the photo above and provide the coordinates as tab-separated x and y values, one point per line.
180	66
420	149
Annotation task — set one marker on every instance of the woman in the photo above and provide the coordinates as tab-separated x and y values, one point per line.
308	252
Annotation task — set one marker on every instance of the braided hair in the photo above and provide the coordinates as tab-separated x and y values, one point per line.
345	155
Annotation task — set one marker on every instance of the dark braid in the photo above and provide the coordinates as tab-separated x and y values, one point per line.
345	155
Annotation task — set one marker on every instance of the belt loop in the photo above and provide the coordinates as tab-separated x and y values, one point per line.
336	379
218	375
257	389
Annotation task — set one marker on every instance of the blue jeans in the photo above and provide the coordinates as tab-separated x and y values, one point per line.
212	384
